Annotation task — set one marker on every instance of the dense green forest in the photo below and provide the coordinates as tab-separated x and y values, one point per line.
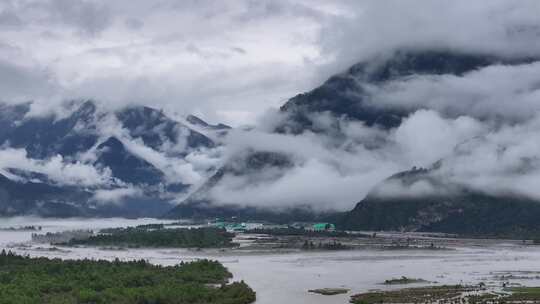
25	280
174	238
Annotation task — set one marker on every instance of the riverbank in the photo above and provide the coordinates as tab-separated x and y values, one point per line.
286	275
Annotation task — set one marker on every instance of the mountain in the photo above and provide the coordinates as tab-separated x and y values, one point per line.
448	207
18	198
119	156
346	96
200	204
136	160
50	200
126	166
156	129
196	121
9	115
45	136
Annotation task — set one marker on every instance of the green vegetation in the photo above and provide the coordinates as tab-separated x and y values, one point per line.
140	227
450	294
524	294
329	291
62	236
157	237
303	232
481	215
334	245
433	294
403	280
22	228
25	280
151	226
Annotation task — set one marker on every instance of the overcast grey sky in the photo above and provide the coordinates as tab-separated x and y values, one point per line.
231	61
228	61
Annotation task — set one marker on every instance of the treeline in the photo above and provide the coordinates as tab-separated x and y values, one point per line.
158	237
142	227
334	245
303	232
25	280
23	228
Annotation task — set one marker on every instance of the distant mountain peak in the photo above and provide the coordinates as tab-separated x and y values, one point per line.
345	95
194	120
156	129
120	146
125	165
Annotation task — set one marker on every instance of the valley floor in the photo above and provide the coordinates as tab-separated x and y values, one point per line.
284	274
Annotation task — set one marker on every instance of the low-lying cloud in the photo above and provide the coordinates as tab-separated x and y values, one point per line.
508	92
114	196
55	168
479	155
175	55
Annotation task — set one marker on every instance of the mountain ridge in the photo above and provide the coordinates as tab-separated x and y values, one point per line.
91	141
450	208
335	97
135	156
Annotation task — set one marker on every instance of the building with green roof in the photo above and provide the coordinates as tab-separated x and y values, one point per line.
323	227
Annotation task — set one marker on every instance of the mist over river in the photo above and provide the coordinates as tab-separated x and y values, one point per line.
285	277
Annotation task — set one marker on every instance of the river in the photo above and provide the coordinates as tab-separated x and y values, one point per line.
286	277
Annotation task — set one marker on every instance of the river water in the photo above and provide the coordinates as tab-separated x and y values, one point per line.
286	277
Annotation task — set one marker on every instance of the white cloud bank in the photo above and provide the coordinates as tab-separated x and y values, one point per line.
56	168
482	125
232	60
229	61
